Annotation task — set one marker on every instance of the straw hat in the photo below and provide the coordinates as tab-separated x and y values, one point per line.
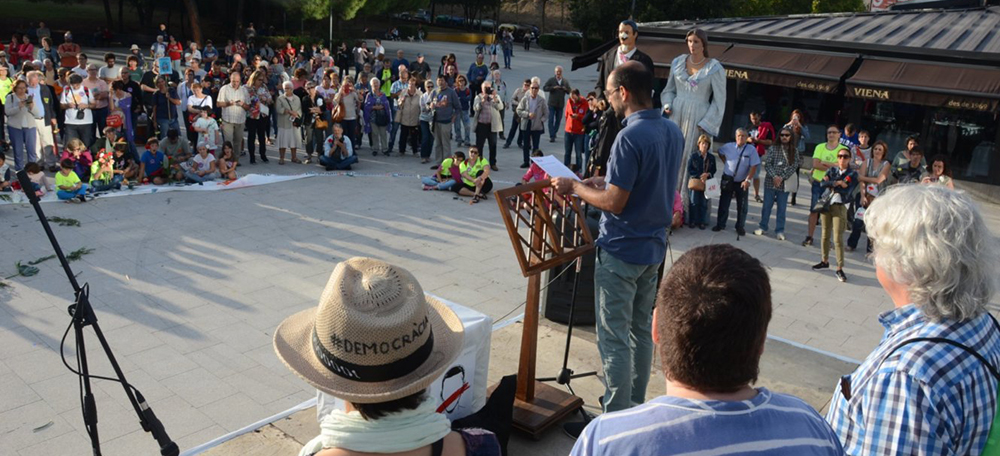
375	336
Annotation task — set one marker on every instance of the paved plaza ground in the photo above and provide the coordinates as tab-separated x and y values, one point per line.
188	287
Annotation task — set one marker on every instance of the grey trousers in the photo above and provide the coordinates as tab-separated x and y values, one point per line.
442	141
233	132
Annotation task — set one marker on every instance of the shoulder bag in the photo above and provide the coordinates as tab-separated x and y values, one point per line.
695	183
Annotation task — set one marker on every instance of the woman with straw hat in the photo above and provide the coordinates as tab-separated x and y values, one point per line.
377	342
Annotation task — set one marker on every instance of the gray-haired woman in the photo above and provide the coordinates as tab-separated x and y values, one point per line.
927	386
289	111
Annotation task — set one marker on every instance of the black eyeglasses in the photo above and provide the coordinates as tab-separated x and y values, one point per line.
785	135
843	156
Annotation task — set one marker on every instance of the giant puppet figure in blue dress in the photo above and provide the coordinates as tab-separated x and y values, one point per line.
695	96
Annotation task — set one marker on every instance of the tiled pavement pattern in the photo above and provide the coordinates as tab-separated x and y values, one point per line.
188	287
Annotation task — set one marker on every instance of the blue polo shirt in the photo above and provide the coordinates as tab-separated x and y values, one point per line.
645	160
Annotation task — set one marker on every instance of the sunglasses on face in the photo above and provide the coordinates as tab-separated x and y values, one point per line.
785	135
833	132
534	88
843	156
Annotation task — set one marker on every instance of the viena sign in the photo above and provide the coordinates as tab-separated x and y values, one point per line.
877	94
737	74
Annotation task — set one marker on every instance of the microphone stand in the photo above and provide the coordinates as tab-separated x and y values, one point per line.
82	316
566	375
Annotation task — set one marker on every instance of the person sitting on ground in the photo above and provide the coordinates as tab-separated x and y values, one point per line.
939	172
535	173
125	168
41	184
71	188
475	178
445	179
338	152
102	173
202	167
935	257
151	164
710	406
387	408
178	151
77	153
6	174
227	162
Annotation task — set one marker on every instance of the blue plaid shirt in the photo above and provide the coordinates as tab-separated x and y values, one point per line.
925	398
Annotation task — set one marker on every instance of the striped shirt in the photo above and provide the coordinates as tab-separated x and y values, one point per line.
770	423
926	398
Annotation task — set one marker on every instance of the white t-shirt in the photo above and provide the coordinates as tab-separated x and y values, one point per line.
196	54
79	96
109	73
201	164
193	101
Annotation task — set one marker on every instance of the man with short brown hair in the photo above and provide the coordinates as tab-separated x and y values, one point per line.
710	324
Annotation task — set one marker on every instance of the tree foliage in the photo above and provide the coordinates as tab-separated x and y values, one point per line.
320	9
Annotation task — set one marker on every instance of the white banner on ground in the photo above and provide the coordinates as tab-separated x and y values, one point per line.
250	180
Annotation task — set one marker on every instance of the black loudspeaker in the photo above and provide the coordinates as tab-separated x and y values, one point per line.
559	293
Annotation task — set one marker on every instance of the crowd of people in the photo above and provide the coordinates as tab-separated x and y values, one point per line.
315	104
848	172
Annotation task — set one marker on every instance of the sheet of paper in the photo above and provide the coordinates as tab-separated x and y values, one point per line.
553	167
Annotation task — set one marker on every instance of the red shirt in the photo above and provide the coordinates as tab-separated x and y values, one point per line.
175	51
574	115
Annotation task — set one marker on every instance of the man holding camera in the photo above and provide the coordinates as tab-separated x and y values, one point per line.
486	112
741	166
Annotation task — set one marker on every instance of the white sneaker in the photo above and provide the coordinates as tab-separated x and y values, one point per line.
781	236
758	232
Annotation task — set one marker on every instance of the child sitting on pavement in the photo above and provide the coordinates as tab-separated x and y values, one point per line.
6	174
226	163
102	173
201	168
151	164
71	188
125	168
77	153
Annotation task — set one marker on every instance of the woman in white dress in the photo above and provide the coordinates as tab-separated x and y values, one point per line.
695	96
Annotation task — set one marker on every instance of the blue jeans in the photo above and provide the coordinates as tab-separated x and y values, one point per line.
426	139
817	192
770	197
65	195
857	228
432	181
506	57
530	141
165	125
555	119
460	128
624	297
350	130
335	164
741	206
571	140
697	208
102	186
22	140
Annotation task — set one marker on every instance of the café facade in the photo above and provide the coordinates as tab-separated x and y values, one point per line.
931	73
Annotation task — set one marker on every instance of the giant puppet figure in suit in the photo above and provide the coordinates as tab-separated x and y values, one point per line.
626	51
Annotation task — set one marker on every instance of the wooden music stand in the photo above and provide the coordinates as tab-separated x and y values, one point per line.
556	233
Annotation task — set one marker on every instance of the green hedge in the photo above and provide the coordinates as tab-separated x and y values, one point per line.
568	44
